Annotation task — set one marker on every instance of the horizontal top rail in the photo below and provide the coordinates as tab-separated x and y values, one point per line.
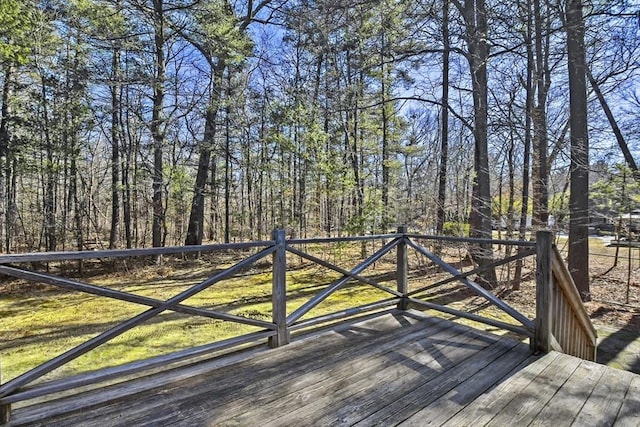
125	253
342	239
524	243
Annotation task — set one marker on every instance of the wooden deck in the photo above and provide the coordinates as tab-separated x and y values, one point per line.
395	369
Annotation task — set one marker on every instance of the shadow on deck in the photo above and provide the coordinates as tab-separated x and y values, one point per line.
392	368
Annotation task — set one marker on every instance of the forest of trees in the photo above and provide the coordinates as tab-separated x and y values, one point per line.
128	123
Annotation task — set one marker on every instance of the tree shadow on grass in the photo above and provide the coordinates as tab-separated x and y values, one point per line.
242	306
620	348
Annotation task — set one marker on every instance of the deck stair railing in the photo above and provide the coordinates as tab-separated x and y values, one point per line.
558	305
563	323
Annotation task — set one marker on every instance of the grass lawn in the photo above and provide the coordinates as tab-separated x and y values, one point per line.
41	321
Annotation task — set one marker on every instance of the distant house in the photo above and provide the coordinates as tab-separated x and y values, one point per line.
503	222
629	223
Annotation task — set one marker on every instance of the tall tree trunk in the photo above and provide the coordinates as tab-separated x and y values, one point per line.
128	143
444	127
11	178
214	214
127	197
77	210
5	160
524	210
49	174
384	87
511	183
351	142
328	212
614	126
114	234
227	172
195	231
475	16
539	116
579	191
261	211
157	121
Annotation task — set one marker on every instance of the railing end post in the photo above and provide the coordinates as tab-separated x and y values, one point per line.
279	340
402	267
544	278
279	290
5	413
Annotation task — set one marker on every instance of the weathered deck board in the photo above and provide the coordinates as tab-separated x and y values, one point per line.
629	414
282	361
430	391
314	393
439	410
485	407
401	371
606	398
529	401
323	364
571	396
398	368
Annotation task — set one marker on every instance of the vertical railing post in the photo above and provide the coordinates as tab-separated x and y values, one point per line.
401	270
544	280
279	290
5	413
5	409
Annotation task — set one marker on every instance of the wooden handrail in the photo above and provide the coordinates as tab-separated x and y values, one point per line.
119	329
338	284
562	321
281	324
474	287
563	279
126	253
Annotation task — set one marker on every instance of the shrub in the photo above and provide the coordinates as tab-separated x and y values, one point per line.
455	228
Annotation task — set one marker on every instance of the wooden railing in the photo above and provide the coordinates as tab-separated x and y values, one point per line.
543	331
562	322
